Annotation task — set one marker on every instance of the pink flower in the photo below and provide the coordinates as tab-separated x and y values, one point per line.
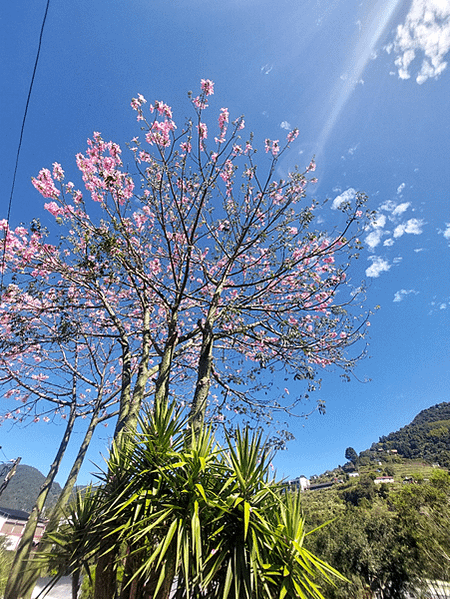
227	171
58	173
186	146
54	209
45	185
200	103
292	135
163	109
202	131
136	103
311	167
223	117
207	86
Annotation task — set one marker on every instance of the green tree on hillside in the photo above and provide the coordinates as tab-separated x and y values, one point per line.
351	455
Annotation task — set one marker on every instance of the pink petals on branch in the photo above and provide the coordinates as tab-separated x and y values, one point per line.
207	87
45	185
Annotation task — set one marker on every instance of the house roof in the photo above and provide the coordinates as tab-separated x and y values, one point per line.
18	514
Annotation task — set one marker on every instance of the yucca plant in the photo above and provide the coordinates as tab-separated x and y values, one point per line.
74	543
186	517
207	521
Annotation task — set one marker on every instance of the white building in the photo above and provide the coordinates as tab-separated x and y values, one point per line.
12	525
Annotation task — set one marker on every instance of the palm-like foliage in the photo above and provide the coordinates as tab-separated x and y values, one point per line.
73	545
184	515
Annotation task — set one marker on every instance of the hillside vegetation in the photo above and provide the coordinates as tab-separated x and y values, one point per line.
391	538
427	437
23	488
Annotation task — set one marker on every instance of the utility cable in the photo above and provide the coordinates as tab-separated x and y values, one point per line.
20	145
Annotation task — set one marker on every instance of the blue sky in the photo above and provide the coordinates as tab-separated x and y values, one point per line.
368	85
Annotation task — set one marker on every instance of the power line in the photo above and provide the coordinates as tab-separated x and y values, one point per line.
20	143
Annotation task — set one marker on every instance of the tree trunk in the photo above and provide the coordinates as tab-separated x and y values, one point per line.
105	577
199	402
14	586
75	583
32	575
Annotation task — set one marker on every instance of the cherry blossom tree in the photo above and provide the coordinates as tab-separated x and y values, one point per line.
192	275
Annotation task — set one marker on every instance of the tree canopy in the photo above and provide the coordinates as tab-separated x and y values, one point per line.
193	277
192	270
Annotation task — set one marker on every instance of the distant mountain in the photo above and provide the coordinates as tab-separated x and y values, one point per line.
24	487
427	437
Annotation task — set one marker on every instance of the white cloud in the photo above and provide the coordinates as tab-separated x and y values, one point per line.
400	295
373	239
418	250
266	69
401	208
388	206
400	188
345	196
446	232
380	221
378	266
442	306
412	226
392	207
426	31
286	125
388	242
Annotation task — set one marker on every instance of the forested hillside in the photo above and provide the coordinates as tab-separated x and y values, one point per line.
388	539
427	437
23	489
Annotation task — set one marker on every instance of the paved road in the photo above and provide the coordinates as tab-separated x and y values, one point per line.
62	590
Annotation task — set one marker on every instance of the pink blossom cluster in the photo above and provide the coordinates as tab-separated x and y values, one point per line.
311	166
101	174
272	146
186	146
292	135
160	133
200	103
202	131
207	87
137	103
45	185
162	109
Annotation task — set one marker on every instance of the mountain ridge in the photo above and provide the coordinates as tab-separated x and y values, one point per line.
23	489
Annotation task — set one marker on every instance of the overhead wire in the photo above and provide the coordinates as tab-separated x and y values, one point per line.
20	145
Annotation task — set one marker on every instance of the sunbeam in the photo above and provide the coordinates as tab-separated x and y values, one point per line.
371	30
